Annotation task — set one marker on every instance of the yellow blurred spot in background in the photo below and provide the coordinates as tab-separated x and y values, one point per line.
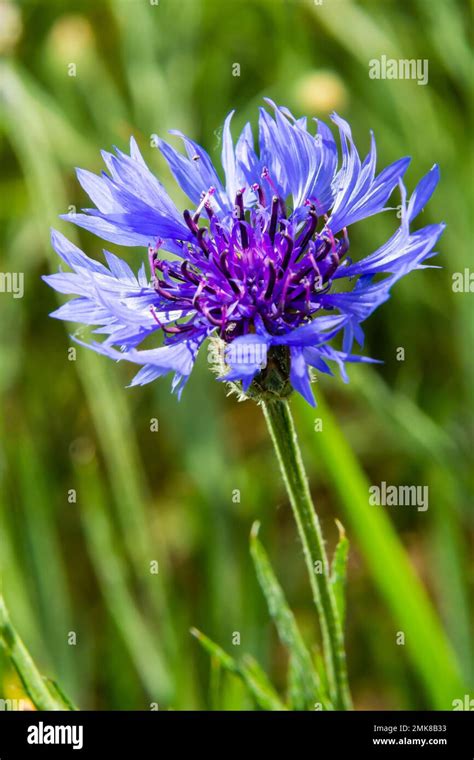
71	37
321	91
11	27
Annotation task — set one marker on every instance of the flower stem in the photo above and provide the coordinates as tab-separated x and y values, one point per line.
35	685
282	431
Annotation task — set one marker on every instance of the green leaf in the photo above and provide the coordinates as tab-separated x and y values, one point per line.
215	678
58	693
339	571
111	571
33	682
426	642
226	661
260	685
304	683
249	671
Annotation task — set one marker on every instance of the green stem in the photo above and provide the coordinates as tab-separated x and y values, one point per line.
32	680
282	430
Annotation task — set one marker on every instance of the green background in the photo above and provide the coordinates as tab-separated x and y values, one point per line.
83	566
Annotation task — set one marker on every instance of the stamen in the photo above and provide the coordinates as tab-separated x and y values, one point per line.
273	218
333	265
205	198
344	245
173	330
261	195
205	310
266	175
326	246
256	265
152	255
154	315
271	279
165	293
190	221
176	329
189	274
239	203
221	262
151	260
284	292
289	251
308	232
331	237
315	266
200	238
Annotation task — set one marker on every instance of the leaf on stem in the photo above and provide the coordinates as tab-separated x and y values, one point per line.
304	683
339	571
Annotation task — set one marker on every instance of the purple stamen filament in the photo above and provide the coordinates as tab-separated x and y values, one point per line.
266	265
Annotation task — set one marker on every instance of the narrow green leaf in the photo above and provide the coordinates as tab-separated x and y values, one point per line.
112	574
249	671
33	682
260	685
58	693
304	684
428	647
227	662
215	679
339	571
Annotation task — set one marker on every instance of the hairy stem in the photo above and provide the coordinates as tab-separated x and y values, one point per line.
282	430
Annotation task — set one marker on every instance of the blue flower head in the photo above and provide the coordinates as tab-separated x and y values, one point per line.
253	264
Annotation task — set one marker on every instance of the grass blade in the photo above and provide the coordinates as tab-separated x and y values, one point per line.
35	685
426	642
248	671
339	571
305	687
143	647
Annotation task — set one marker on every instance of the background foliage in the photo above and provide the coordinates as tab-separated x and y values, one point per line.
168	496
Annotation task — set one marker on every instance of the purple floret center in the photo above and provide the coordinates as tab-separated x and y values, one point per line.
261	264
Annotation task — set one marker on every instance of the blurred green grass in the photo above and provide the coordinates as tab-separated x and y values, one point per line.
167	496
